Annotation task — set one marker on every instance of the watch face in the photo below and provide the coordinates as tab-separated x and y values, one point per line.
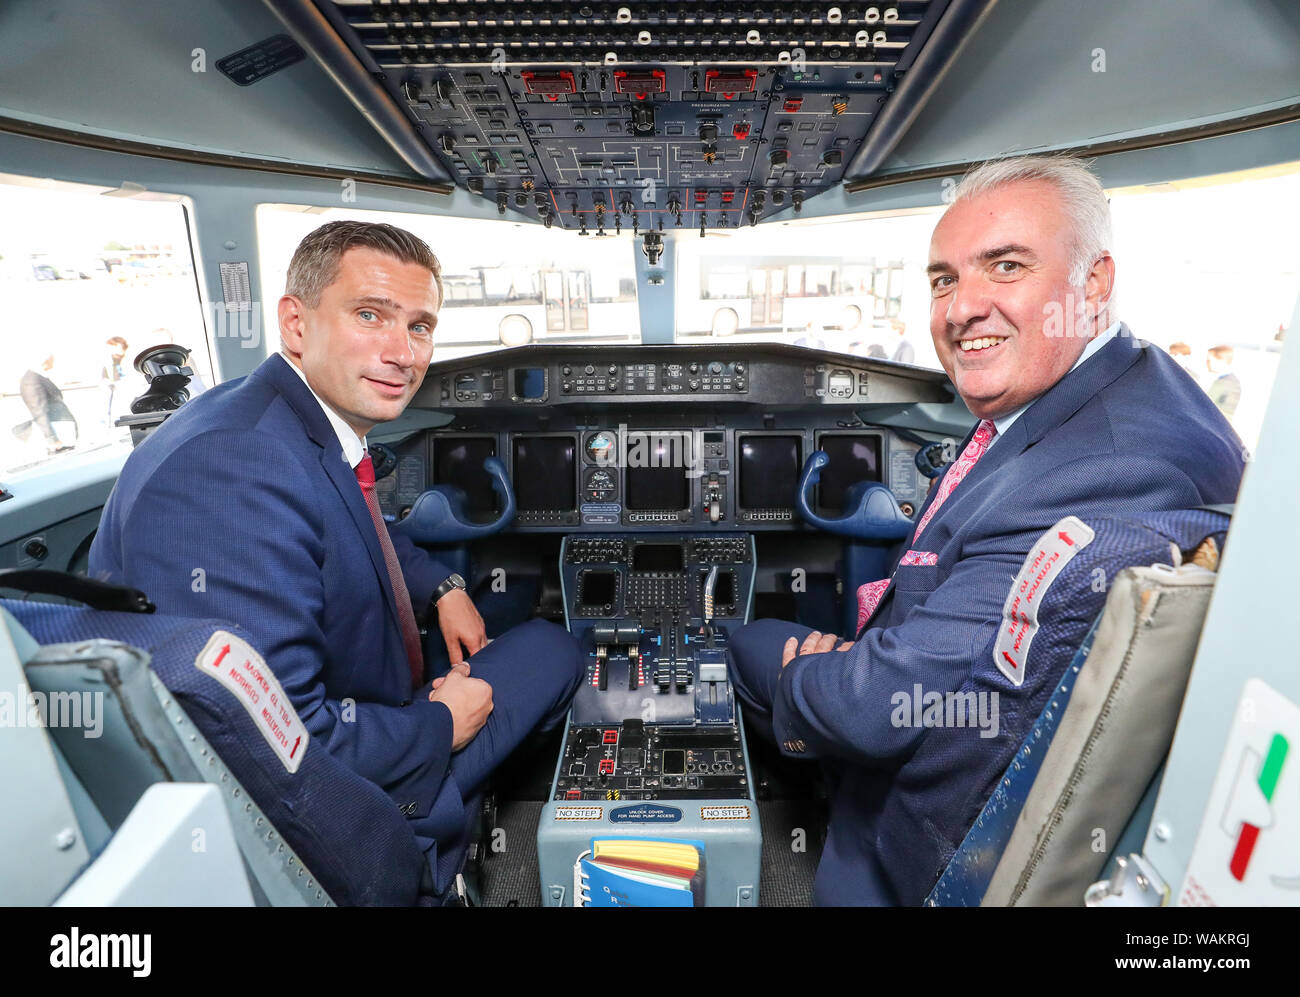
456	580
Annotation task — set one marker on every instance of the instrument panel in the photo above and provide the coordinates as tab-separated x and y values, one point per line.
653	477
537	376
660	438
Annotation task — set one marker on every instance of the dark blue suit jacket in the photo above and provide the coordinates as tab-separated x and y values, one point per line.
241	506
1126	432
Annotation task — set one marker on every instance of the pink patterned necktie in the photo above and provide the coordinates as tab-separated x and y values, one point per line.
870	594
365	472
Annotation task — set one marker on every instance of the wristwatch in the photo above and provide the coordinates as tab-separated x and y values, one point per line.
454	581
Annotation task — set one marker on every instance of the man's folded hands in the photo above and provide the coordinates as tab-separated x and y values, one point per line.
815	643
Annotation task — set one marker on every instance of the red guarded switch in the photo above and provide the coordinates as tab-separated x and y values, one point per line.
729	83
549	84
640	83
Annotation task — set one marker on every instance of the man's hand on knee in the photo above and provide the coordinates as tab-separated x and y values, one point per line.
461	625
814	643
468	699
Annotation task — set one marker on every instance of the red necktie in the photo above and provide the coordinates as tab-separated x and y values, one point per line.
405	614
870	594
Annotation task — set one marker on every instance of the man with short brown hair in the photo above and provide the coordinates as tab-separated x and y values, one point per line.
269	479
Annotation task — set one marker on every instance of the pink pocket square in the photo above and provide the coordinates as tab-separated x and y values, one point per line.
918	557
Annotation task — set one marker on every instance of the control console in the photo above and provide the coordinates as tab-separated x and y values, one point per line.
657	580
655	717
654	752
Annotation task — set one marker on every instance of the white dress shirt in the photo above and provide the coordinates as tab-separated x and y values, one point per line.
354	446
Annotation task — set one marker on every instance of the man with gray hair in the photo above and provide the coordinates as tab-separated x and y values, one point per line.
1076	417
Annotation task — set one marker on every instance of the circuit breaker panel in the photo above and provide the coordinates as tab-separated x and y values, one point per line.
602	117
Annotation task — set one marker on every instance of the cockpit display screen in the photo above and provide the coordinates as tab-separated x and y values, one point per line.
658	488
769	471
530	383
852	459
658	557
459	461
545	473
657	466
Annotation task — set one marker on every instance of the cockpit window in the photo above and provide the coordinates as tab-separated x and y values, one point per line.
1207	269
90	277
853	286
505	283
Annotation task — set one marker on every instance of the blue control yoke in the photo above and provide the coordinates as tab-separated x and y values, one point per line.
872	511
438	515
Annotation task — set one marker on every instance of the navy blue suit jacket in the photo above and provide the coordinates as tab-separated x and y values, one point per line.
241	506
1126	432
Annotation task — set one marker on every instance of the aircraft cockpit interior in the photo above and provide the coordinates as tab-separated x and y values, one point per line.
732	406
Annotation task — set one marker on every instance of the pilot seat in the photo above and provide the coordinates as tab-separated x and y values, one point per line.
306	832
